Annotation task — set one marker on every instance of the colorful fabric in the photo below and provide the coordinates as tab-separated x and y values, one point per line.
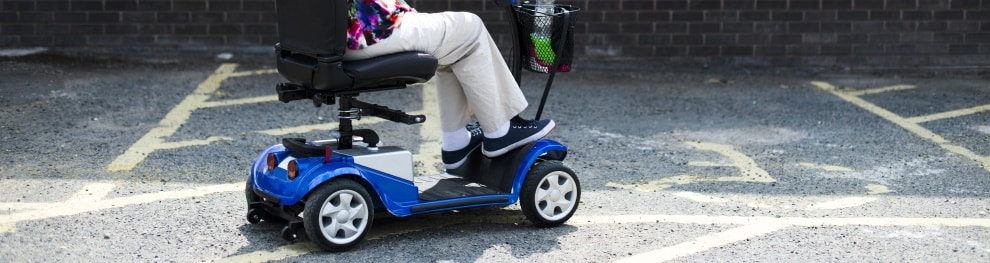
373	20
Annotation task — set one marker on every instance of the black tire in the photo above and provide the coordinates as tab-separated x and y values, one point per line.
254	215
338	215
550	194
290	234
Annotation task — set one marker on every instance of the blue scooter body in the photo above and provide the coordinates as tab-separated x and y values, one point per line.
399	196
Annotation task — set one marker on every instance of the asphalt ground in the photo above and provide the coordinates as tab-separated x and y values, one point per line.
121	161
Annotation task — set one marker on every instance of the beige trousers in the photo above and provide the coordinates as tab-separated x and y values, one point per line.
472	78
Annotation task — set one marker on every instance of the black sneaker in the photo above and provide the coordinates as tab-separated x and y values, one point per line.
521	132
454	159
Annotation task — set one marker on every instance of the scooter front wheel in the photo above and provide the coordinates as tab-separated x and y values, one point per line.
338	215
550	194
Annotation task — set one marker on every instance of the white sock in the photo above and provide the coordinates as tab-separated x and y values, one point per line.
498	133
455	140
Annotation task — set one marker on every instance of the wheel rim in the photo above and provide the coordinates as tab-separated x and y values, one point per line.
344	216
556	195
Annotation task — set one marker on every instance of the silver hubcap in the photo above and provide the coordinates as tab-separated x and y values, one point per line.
555	196
344	216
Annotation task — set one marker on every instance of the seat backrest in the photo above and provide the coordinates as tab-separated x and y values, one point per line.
312	38
314	27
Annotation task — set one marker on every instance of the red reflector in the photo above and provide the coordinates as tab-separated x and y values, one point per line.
293	170
272	162
326	154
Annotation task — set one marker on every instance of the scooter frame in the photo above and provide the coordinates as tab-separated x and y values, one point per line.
299	177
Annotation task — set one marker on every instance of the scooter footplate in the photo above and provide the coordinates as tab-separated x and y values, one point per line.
445	186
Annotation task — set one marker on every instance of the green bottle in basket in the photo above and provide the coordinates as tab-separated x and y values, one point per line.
543	49
541	37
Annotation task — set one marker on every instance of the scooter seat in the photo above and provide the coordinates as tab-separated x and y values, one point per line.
391	70
333	74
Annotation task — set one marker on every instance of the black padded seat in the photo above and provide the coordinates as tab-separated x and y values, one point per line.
393	69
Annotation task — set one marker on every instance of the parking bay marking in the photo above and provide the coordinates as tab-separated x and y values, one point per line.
92	197
749	227
746	165
155	138
911	124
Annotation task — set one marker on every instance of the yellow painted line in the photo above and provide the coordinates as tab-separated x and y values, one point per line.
949	114
841	203
913	127
283	252
235	102
750	227
881	90
180	144
790	221
87	200
700	198
828	168
706	164
155	138
253	72
10	227
759	226
90	193
704	243
876	189
750	171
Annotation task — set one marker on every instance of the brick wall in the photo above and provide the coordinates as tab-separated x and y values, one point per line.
137	24
886	33
879	33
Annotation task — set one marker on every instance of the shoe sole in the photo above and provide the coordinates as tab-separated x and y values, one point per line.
458	164
531	138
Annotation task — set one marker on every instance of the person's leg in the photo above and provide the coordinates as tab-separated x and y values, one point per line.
452	104
424	34
491	90
427	33
488	86
472	77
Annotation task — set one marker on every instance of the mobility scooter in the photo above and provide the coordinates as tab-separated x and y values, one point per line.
330	190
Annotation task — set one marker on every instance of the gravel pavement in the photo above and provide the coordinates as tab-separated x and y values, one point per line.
124	161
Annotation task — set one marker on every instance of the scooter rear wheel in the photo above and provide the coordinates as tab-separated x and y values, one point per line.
338	215
550	194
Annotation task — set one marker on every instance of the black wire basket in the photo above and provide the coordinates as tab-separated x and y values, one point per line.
547	40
